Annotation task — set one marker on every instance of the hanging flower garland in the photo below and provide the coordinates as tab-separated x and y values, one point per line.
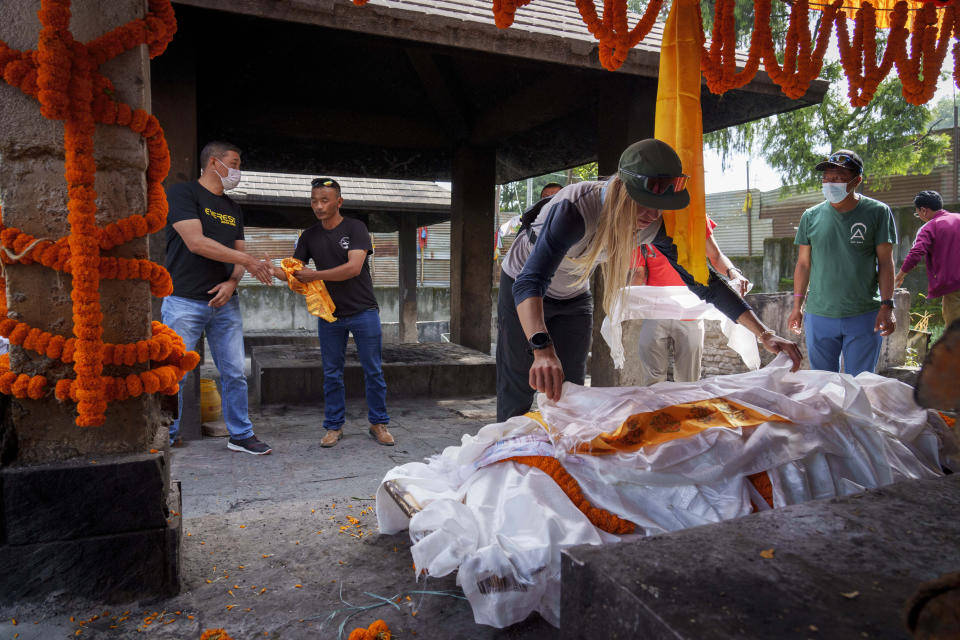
62	74
917	66
719	62
859	57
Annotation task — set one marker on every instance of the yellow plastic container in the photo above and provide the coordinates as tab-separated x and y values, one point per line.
209	401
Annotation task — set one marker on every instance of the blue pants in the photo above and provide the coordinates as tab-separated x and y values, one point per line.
224	329
365	327
852	337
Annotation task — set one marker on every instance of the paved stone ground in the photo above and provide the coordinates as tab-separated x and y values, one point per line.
270	549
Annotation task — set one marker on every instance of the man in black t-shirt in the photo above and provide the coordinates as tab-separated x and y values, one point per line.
206	260
339	248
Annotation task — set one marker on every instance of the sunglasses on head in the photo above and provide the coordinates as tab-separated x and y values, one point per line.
659	185
842	158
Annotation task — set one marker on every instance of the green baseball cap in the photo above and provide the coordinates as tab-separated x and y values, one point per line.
653	175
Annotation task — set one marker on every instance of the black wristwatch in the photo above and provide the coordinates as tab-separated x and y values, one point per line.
888	303
539	340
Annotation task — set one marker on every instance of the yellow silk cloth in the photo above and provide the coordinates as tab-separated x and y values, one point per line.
319	302
679	123
675	422
884	10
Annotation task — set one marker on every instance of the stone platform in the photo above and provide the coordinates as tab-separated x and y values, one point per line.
427	331
840	568
293	374
108	528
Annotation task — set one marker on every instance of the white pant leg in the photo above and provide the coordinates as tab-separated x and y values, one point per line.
687	349
654	351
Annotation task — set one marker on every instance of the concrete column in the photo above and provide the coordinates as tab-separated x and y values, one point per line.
626	115
407	270
471	246
79	505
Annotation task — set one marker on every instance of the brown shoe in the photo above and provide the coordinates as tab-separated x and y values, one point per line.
331	437
379	433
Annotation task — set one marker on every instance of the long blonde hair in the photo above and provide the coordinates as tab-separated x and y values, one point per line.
615	236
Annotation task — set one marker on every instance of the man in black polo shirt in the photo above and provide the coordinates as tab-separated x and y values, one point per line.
339	248
206	260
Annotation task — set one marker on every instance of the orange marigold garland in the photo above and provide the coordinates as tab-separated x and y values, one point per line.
62	74
859	56
917	68
378	630
719	62
920	69
600	518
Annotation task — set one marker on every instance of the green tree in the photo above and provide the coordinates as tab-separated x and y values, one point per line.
513	195
942	114
892	136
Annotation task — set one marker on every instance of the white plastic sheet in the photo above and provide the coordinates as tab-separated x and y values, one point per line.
672	303
501	525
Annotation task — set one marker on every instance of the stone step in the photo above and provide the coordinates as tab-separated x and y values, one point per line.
293	374
427	331
840	568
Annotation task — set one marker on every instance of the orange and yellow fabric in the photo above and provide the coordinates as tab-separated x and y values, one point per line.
319	302
679	123
884	9
675	422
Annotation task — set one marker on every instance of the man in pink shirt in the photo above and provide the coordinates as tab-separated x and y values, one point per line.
938	242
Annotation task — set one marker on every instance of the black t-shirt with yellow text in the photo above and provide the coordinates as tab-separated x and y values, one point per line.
221	219
328	249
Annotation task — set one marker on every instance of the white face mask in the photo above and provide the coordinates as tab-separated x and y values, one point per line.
835	192
232	179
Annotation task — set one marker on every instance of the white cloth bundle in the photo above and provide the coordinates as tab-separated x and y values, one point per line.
502	526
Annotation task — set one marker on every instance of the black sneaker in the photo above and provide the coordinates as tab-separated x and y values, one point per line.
249	445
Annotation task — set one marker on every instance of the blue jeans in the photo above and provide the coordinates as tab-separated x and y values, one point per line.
224	329
852	337
365	327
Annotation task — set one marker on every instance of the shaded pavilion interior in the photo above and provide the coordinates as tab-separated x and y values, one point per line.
422	90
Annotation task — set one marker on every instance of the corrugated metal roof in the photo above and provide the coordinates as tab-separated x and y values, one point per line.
726	209
899	192
368	193
435	271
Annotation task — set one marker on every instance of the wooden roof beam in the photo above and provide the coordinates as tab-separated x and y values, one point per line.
436	86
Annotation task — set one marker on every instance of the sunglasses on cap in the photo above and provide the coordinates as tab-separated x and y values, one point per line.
842	159
659	185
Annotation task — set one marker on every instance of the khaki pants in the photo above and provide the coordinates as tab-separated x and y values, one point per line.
655	336
951	307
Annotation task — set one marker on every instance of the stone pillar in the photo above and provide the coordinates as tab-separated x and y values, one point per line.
407	270
471	246
626	115
83	509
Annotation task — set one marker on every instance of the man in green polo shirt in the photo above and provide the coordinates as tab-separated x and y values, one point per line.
846	256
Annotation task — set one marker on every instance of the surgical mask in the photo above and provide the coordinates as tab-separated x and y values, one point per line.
835	192
232	179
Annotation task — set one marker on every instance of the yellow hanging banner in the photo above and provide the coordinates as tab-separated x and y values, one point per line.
679	123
